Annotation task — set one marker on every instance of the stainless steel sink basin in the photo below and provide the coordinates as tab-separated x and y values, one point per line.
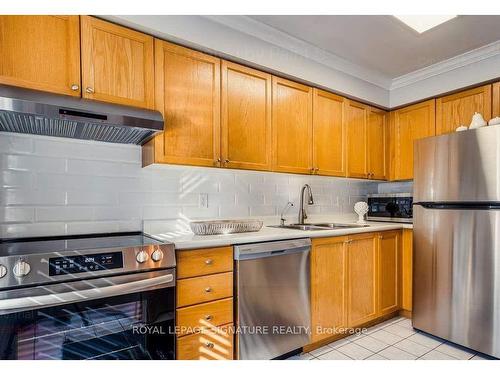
319	226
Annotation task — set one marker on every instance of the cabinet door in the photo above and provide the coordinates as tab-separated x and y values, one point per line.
496	100
388	272
246	117
377	144
357	152
328	302
407	125
455	110
407	269
41	52
292	126
328	134
361	279
117	64
187	85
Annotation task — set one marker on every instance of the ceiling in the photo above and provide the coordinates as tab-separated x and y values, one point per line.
386	45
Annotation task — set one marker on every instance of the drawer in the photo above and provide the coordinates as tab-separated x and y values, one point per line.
191	263
204	289
211	314
212	344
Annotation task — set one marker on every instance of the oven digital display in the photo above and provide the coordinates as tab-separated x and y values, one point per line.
84	263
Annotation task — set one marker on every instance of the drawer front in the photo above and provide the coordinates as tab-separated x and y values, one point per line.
191	263
204	289
211	314
209	344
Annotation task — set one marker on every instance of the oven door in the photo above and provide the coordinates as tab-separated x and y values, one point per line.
121	317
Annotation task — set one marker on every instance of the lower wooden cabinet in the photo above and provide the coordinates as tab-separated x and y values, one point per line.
205	315
407	270
361	279
354	280
209	344
388	264
328	286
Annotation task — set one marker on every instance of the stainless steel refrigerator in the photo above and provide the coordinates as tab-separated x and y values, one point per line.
456	282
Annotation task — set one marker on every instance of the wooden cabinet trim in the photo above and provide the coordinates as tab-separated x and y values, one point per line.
496	100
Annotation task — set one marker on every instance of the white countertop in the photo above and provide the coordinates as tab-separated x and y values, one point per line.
188	240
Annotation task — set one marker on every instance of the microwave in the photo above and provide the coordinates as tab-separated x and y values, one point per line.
395	207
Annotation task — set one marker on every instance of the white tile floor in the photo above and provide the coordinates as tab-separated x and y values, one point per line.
391	340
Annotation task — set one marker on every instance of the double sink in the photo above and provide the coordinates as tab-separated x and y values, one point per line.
319	226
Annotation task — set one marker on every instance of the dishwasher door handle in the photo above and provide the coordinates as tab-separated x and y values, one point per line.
270	249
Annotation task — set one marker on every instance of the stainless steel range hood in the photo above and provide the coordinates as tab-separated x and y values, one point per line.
36	112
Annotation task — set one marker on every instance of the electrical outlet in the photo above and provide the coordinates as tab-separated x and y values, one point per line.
203	200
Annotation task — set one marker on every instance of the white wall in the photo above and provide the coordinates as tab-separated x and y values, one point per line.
57	186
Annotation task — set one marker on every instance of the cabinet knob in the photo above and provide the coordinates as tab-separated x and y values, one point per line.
208	289
75	87
217	162
208	262
209	344
89	90
208	318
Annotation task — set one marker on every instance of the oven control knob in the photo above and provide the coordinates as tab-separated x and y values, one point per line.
157	255
3	271
21	269
142	256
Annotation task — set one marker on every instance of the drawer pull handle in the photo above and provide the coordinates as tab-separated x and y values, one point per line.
209	262
208	289
208	318
209	344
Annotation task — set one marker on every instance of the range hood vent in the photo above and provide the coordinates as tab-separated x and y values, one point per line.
34	112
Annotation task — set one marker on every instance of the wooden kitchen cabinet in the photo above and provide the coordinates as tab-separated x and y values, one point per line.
41	53
209	344
117	64
407	270
187	92
388	271
496	100
457	109
377	144
292	126
406	126
362	279
366	141
246	117
328	286
329	134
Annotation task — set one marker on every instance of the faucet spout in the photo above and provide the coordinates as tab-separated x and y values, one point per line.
310	201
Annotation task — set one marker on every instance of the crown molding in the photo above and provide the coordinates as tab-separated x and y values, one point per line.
456	62
269	34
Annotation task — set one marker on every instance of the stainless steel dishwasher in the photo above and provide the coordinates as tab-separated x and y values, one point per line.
272	291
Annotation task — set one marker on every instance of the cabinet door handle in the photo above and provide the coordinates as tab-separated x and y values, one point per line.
89	90
75	87
208	262
208	318
209	344
208	289
217	162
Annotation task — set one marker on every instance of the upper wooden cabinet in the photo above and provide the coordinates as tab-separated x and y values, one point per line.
41	52
328	286
407	125
329	134
357	141
455	110
377	137
389	270
117	64
366	141
292	126
246	117
362	280
187	87
496	100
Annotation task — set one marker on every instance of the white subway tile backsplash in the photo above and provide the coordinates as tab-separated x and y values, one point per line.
55	186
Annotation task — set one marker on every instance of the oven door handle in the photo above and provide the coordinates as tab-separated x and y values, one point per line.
94	290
